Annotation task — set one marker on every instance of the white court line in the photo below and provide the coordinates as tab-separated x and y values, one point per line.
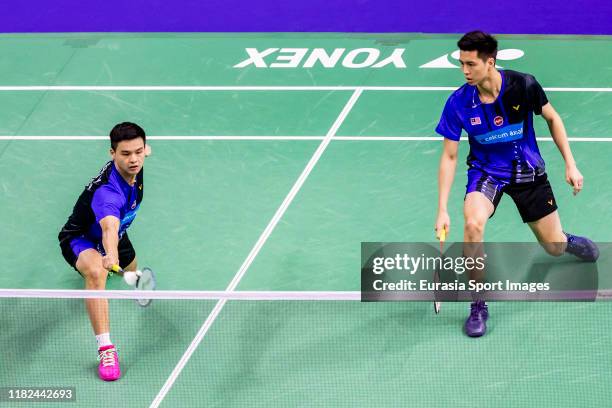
177	137
439	138
284	138
601	294
179	88
256	248
178	294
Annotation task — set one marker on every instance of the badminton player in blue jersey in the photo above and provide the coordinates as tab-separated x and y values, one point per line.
495	107
94	239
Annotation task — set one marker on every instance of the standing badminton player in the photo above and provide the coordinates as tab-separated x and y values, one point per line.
495	107
95	236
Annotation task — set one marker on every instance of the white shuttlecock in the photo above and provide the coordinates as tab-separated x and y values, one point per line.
131	277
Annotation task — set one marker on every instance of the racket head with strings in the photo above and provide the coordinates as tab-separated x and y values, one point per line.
437	304
146	281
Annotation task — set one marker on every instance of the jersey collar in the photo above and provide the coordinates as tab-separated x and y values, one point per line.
124	184
476	102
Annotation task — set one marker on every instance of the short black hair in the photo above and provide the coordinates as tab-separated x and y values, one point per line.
126	131
484	43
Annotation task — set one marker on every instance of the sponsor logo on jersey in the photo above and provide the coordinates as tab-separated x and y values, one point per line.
127	219
475	121
498	121
506	134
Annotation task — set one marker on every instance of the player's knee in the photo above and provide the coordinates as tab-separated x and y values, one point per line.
474	228
95	278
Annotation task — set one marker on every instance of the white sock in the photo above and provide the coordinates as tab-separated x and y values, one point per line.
103	340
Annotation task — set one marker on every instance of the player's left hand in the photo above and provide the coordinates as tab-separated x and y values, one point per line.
574	178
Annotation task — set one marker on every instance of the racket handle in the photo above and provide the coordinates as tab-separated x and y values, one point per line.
116	269
442	238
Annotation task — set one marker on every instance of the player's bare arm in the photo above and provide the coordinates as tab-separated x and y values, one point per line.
573	177
446	174
110	241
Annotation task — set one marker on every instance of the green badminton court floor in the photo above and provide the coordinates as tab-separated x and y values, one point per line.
233	146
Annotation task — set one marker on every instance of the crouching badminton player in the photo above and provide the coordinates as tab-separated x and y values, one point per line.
95	236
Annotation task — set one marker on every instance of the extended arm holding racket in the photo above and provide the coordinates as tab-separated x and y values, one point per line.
110	241
446	174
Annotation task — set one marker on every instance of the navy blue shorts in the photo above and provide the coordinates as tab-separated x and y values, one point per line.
72	248
534	200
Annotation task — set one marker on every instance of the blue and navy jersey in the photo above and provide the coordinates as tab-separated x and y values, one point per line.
501	136
107	194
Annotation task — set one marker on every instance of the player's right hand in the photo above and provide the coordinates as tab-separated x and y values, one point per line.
442	222
108	262
574	178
